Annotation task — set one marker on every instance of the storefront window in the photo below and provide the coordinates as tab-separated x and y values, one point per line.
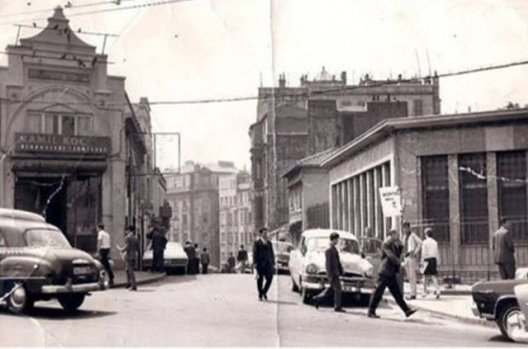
511	183
436	196
473	199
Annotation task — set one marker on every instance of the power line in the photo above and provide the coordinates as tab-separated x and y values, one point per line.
121	8
301	95
68	6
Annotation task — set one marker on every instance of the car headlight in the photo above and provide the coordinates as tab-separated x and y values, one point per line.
312	269
368	269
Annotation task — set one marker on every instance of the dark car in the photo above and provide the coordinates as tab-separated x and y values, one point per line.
38	263
496	301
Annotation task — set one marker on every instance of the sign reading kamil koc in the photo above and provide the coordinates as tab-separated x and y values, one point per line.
49	143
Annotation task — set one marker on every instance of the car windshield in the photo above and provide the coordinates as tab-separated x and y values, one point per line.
322	243
282	247
45	238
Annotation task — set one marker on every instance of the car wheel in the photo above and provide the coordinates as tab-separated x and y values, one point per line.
511	322
71	301
294	288
20	300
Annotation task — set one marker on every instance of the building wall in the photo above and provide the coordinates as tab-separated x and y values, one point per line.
285	138
55	92
406	151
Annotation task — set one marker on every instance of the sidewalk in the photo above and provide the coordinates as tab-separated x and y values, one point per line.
142	277
454	303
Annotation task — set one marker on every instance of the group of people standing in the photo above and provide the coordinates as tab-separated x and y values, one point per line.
195	258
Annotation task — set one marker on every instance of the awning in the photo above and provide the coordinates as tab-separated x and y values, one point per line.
58	166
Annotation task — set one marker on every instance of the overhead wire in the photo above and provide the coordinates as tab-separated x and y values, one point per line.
300	95
120	8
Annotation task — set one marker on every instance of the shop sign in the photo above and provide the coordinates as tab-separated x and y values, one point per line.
50	143
390	201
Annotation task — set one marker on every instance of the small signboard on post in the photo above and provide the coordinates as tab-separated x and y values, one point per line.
391	201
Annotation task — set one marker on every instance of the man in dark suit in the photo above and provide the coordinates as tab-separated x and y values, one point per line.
390	266
264	262
334	270
504	251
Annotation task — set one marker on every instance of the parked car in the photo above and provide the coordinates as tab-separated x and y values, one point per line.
497	301
521	293
282	250
174	258
38	263
307	265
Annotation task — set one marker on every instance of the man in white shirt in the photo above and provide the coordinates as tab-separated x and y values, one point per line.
103	247
430	259
412	244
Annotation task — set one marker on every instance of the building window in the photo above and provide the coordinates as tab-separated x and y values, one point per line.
511	183
436	196
418	107
473	199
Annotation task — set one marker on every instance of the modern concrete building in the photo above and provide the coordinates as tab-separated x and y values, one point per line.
295	122
457	174
67	136
193	196
236	218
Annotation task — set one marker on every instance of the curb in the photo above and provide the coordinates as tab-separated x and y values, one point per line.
462	319
148	280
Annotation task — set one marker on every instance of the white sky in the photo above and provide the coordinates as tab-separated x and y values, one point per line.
223	47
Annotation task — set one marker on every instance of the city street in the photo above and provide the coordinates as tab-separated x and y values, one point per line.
223	310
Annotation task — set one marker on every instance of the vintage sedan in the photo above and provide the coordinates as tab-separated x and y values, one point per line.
38	263
307	265
282	250
497	301
174	258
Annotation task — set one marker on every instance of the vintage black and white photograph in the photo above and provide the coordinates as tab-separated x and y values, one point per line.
263	173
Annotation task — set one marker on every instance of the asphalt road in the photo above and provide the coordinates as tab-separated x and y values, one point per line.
223	310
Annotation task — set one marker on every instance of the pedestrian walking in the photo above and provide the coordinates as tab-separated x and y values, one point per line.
130	251
196	260
412	244
504	250
430	260
231	263
159	242
264	263
334	270
390	265
191	255
205	259
242	259
103	247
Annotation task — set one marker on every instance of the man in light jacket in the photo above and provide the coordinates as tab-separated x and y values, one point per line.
504	251
412	244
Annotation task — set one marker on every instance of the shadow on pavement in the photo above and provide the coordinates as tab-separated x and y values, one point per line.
59	313
501	339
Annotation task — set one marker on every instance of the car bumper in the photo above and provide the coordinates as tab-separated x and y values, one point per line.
348	285
82	288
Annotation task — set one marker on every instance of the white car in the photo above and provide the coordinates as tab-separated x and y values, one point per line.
174	258
307	264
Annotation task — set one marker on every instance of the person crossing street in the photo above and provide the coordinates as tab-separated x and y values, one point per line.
390	265
264	262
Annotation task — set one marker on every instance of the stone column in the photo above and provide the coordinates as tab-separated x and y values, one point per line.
493	196
454	207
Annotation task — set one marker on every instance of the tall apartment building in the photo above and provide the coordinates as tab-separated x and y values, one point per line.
295	122
236	213
193	197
